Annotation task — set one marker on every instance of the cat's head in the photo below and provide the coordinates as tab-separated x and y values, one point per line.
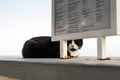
74	47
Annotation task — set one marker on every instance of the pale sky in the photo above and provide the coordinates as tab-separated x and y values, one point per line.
24	19
21	20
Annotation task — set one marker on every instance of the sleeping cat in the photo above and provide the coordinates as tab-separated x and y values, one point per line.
43	47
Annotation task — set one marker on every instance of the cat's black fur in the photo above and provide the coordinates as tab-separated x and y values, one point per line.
43	47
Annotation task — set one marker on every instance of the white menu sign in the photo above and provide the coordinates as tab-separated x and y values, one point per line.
78	19
73	16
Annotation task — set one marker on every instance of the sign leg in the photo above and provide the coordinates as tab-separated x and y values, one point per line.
63	49
101	48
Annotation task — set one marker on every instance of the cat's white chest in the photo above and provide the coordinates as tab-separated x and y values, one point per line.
75	53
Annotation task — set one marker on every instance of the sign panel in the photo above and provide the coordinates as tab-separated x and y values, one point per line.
81	15
84	18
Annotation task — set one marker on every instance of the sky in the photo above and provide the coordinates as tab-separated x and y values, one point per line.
21	20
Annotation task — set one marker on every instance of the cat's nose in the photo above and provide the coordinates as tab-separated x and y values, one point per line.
72	46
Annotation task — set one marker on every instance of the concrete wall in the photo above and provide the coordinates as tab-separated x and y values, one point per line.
56	69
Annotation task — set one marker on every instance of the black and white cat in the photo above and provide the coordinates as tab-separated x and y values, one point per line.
43	47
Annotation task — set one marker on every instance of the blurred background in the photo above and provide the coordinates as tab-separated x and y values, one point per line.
21	20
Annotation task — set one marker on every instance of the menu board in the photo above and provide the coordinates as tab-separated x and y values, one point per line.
73	16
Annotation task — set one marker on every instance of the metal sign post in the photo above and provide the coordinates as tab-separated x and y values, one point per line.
101	48
63	49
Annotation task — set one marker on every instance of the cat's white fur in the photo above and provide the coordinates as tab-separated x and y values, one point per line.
75	53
